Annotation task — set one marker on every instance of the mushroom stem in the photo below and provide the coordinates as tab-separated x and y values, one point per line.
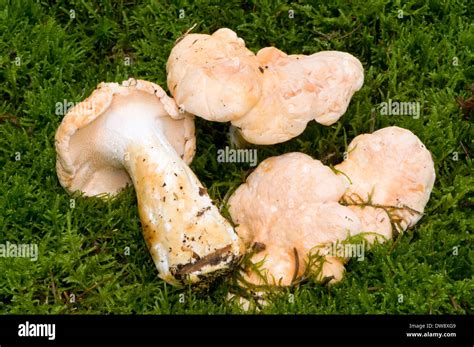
236	138
185	233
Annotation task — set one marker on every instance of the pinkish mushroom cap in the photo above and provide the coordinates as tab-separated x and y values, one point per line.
289	205
390	168
271	96
80	165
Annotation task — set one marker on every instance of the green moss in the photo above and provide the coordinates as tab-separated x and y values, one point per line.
426	56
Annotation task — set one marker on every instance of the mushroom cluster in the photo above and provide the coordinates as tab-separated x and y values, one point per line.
294	208
269	96
290	208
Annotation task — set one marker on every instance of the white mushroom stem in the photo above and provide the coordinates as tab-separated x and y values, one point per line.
183	229
185	233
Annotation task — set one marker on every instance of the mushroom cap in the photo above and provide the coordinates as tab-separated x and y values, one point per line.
297	89
81	162
299	233
375	223
270	96
214	76
394	169
291	202
278	184
296	207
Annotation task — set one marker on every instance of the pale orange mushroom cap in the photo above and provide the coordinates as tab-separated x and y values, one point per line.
81	165
214	76
392	168
290	205
298	89
269	96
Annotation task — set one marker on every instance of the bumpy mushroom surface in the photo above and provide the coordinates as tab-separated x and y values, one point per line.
270	96
215	75
133	132
289	206
391	168
292	206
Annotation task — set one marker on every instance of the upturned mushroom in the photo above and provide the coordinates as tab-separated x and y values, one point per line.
133	133
292	207
269	96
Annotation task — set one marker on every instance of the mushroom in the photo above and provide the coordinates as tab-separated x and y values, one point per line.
392	171
271	96
215	75
133	132
294	207
289	206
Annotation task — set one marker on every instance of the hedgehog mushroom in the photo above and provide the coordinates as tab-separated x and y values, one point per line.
133	132
271	96
292	206
289	208
390	174
214	75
